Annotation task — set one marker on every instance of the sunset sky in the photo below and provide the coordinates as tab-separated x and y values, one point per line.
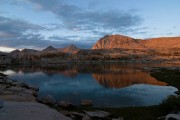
39	23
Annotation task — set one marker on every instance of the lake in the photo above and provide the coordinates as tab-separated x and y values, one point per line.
107	85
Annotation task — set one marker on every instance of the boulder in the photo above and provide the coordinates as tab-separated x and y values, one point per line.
65	104
67	113
29	111
98	114
86	117
173	117
78	115
2	81
3	77
177	92
73	115
48	100
32	87
8	81
86	103
31	92
19	84
15	89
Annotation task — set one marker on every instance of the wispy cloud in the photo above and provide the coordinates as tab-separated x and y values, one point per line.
95	24
21	34
75	17
14	28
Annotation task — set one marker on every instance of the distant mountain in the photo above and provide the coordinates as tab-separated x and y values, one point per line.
15	53
50	49
118	41
26	53
109	48
125	42
29	51
162	43
70	49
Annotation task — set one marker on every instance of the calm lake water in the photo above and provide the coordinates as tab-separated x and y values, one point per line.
107	85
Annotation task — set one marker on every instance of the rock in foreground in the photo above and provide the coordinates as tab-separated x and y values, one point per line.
50	100
65	104
29	111
98	114
86	103
11	90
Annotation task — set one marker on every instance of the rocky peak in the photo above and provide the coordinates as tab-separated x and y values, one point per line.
117	41
70	49
27	52
15	53
49	48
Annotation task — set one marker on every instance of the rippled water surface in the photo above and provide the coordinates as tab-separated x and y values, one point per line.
107	85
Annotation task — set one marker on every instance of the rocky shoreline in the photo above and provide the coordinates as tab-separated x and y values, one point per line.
16	96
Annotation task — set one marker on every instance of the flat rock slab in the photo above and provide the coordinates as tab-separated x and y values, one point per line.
18	98
29	111
15	89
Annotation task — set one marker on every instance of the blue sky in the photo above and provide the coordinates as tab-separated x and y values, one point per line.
39	23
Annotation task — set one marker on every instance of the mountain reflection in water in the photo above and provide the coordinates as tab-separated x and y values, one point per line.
107	85
125	78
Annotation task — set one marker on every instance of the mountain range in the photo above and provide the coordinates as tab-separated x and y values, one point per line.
109	48
71	49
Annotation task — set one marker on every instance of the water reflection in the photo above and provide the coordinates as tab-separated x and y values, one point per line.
124	78
107	85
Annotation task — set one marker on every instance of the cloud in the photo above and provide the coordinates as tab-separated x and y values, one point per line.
14	28
20	34
67	40
17	33
75	17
